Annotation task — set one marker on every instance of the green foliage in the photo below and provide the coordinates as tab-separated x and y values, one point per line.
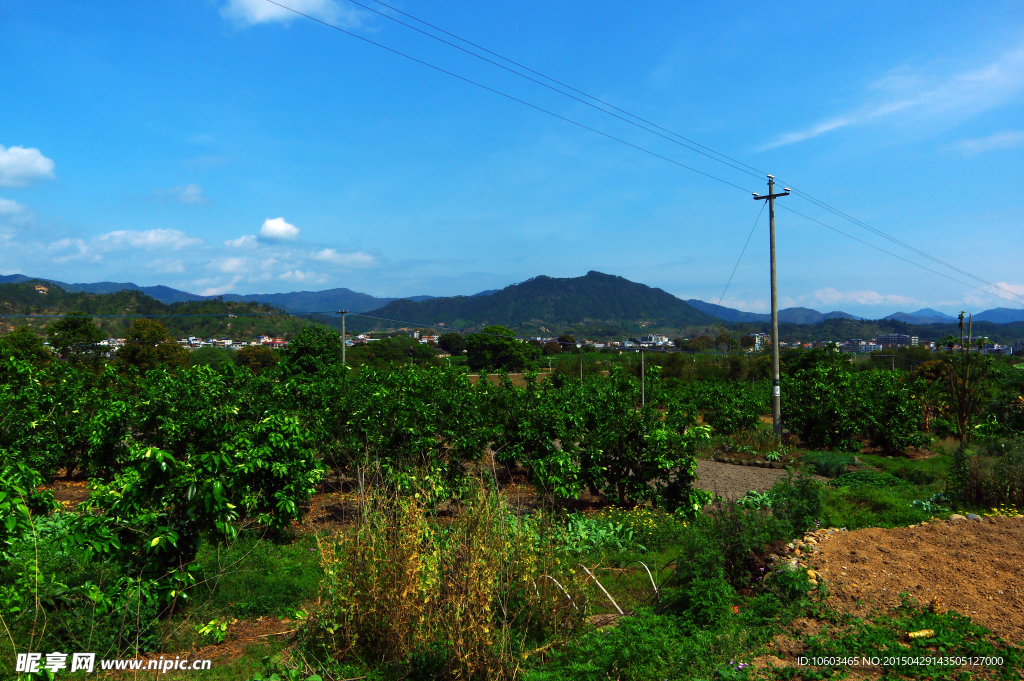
865	479
819	401
884	637
584	535
26	346
256	576
453	343
496	347
399	350
75	338
315	350
215	358
256	358
147	347
828	464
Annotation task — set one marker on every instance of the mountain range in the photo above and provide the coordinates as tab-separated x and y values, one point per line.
595	296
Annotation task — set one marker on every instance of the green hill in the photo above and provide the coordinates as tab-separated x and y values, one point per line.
594	301
24	298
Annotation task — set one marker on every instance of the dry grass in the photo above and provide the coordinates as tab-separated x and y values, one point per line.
470	597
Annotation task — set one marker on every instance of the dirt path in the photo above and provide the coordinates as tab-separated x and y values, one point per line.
732	482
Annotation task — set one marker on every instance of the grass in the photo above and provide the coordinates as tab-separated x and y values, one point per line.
882	637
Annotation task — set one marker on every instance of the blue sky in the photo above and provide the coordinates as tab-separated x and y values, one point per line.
230	146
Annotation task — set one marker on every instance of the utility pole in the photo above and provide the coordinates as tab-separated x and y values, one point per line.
343	343
776	384
643	386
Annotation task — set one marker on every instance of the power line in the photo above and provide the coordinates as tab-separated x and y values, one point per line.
713	155
745	244
687	142
878	248
508	96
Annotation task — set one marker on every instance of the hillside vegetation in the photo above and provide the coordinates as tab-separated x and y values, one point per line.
24	299
547	303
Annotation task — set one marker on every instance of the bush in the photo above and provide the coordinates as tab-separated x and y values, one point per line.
829	464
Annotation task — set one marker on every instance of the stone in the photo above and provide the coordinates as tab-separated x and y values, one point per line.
973	516
956	518
812	582
811	574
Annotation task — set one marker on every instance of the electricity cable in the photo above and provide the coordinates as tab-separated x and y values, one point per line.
879	248
652	153
510	97
747	243
707	151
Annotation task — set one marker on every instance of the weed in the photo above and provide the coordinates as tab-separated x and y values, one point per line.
466	598
829	464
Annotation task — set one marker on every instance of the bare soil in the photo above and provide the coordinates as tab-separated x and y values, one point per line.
731	481
972	566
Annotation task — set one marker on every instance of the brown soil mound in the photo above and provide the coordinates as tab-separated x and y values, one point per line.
973	566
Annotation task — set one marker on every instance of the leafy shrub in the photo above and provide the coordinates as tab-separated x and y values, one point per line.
652	527
583	535
731	413
866	479
829	464
799	501
888	413
819	401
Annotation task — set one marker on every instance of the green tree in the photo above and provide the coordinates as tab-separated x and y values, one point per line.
217	358
256	358
967	380
147	346
552	348
25	345
75	338
314	350
453	343
748	341
496	347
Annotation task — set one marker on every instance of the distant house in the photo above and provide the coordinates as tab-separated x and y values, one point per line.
275	343
42	290
896	340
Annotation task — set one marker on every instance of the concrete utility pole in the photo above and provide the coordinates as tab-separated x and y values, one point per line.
643	387
343	339
776	385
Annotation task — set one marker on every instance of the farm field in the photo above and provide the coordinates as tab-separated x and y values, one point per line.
302	519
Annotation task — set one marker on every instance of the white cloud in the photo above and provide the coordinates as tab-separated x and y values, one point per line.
20	166
148	240
300	276
277	229
191	194
250	12
233	265
831	296
9	208
1006	139
72	249
744	305
357	259
168	266
1011	288
220	289
919	94
247	241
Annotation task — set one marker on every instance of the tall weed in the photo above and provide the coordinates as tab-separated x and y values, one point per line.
465	598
